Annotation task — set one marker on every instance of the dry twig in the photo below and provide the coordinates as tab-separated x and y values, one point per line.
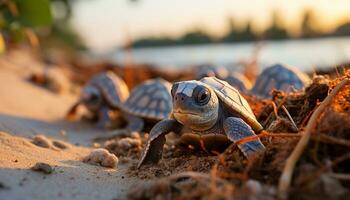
286	176
290	118
275	110
265	134
340	176
332	140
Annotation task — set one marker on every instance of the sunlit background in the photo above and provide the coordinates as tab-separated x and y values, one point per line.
107	23
305	33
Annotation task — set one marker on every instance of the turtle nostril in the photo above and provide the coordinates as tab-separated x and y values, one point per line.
180	98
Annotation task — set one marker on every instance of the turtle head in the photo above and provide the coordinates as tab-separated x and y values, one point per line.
91	97
195	105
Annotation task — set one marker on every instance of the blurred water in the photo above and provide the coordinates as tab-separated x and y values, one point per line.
304	54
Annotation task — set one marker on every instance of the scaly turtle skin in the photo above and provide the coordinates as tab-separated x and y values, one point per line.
213	110
149	101
280	77
103	93
235	79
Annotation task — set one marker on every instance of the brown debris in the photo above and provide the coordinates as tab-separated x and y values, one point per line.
321	172
282	125
130	147
170	166
299	105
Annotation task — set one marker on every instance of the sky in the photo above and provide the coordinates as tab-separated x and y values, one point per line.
106	24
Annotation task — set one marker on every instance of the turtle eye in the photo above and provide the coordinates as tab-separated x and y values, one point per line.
201	95
94	98
174	88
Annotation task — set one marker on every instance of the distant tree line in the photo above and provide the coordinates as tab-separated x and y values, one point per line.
276	31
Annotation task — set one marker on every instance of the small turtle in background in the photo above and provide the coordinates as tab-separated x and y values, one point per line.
148	102
239	81
235	79
220	72
214	111
279	77
105	92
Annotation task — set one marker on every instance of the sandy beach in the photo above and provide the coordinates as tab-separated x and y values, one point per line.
44	156
27	110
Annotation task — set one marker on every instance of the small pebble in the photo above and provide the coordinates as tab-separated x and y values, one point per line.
3	186
42	141
127	143
102	157
60	144
96	145
43	167
254	187
135	135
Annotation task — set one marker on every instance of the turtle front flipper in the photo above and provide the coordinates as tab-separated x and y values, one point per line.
152	153
236	129
135	124
104	120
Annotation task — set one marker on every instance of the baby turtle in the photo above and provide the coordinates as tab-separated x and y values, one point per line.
103	93
213	110
280	77
148	102
235	79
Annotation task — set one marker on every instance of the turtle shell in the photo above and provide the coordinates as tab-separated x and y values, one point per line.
113	88
239	81
233	99
151	100
280	77
209	70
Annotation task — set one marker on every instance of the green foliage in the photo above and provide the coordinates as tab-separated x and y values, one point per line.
343	30
153	41
239	34
276	31
34	13
29	13
195	37
17	15
308	24
64	36
192	37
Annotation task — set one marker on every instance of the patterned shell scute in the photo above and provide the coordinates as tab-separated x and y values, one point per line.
151	99
232	98
280	77
113	88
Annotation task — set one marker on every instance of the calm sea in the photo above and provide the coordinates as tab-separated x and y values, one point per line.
304	54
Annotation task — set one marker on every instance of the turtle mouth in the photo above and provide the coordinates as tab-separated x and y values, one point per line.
185	113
